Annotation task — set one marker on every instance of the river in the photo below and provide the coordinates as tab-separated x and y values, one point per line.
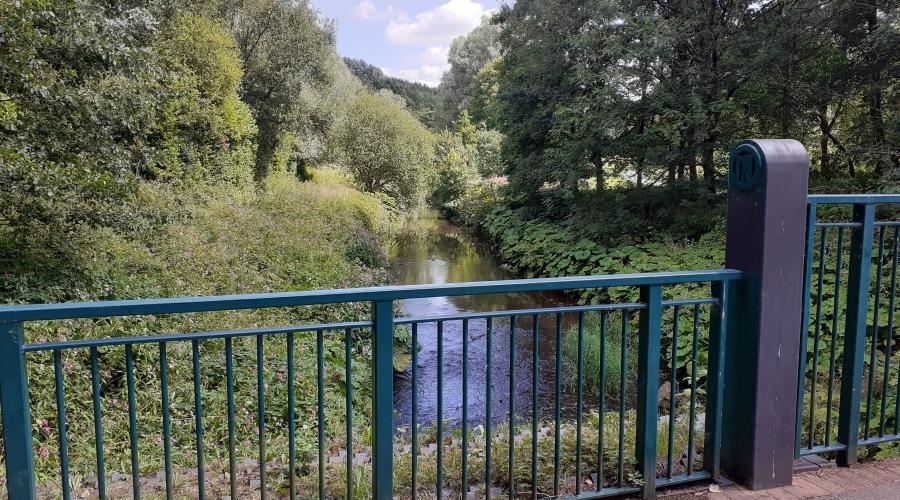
442	252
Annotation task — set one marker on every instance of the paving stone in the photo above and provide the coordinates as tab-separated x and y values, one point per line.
810	486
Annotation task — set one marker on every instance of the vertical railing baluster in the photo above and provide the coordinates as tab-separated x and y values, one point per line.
98	424
623	370
348	375
604	316
488	414
715	379
132	423
512	408
229	395
558	391
877	309
673	376
166	419
61	423
535	369
16	413
648	385
382	399
855	332
817	337
804	315
292	459
890	337
415	409
834	333
693	404
465	407
320	411
439	486
261	413
579	376
198	420
891	322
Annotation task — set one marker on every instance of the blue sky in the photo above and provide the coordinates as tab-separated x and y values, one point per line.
405	38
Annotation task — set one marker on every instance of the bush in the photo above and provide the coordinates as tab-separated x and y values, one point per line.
387	149
454	170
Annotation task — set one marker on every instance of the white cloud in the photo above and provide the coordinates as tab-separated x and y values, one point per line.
430	63
437	26
432	30
367	10
436	55
427	74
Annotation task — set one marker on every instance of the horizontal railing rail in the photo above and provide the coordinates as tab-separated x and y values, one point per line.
74	310
122	369
847	333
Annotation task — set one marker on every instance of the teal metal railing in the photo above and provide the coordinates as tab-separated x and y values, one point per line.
672	346
848	394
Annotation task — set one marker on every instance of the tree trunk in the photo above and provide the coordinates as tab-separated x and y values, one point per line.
876	92
693	167
825	160
708	163
597	160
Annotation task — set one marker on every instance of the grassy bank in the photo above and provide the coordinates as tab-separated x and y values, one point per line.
284	235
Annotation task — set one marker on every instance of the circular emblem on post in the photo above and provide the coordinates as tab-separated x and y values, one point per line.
746	167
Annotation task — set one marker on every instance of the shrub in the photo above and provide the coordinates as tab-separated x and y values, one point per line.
387	149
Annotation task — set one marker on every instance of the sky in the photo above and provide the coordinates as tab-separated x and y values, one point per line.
405	38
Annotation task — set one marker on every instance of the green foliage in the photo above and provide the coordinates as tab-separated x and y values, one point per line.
541	248
483	104
468	55
290	72
206	132
463	159
96	99
287	235
593	353
387	149
422	100
658	92
454	170
488	157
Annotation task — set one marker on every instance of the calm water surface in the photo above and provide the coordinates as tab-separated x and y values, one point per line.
441	252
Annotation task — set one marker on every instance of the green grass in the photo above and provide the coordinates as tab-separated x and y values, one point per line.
592	355
284	235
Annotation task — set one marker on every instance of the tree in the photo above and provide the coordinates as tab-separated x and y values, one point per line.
387	149
468	55
483	106
99	100
535	78
206	132
288	52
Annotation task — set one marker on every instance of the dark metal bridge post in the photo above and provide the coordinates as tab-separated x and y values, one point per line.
765	239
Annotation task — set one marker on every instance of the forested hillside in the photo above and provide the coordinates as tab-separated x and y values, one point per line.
423	100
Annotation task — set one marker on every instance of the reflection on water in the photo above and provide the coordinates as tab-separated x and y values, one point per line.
437	251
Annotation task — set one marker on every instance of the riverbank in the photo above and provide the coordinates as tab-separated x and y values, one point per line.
283	235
